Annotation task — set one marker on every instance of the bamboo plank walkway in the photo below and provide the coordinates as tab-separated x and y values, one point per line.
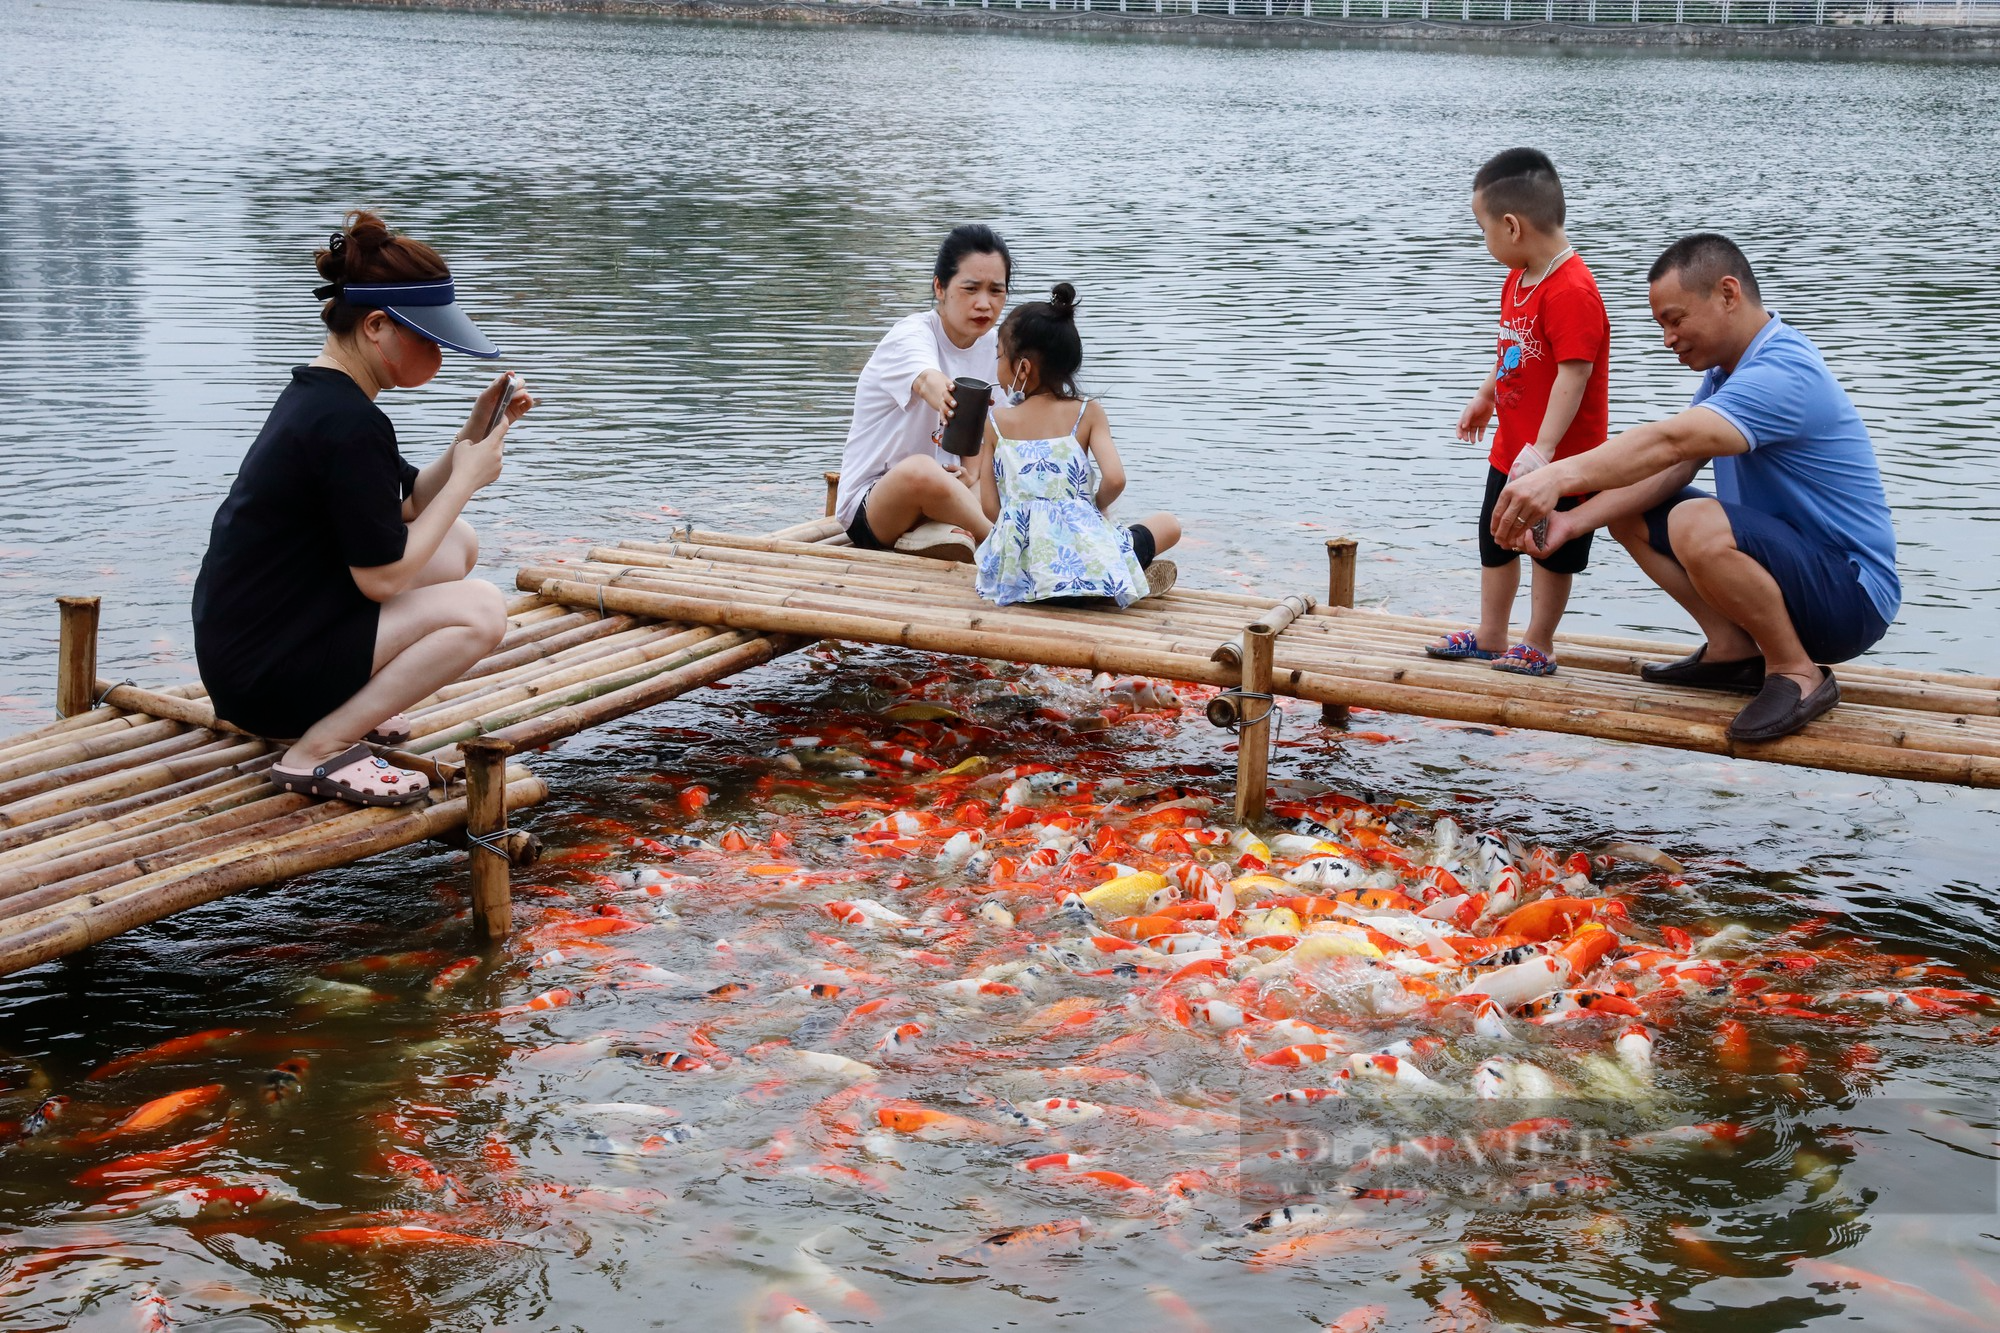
144	806
1893	723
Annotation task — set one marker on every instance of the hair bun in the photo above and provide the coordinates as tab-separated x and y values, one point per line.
1063	298
361	236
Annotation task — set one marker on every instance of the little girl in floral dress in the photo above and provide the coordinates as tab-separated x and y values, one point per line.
1051	540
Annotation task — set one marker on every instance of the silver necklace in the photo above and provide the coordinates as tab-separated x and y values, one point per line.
1521	289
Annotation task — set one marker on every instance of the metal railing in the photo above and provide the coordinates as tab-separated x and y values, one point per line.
1768	13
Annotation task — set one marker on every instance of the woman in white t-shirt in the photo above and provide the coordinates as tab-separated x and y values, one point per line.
894	477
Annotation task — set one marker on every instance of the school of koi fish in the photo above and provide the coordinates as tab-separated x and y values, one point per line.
980	1026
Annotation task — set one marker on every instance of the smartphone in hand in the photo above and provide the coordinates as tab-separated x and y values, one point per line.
513	387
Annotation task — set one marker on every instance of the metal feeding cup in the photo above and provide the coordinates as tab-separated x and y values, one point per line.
966	429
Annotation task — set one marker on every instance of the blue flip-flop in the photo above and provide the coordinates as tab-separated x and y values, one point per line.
1460	646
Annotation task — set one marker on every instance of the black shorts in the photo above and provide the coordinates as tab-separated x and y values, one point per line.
1832	613
1144	544
283	699
858	530
1569	558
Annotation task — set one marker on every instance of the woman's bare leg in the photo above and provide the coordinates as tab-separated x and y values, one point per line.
917	489
454	559
426	638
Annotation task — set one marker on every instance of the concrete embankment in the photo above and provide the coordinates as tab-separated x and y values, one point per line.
1976	42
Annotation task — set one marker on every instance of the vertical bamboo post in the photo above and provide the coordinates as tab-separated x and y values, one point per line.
485	816
1253	736
832	491
76	657
1340	553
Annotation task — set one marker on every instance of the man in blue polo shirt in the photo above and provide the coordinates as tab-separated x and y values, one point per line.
1792	563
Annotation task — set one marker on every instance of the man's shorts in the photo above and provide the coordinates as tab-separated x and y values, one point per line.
1830	610
1569	558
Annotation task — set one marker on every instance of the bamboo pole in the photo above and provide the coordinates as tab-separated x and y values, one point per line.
1802	750
593	628
832	564
34	784
832	492
1915	731
592	648
78	828
119	866
872	594
1664	650
829	531
573	718
933	609
63	754
84	726
216	754
196	713
871	629
1858	682
1230	651
593	663
162	816
177	837
493	722
76	657
337	821
163	898
486	817
1341	553
520	606
1253	735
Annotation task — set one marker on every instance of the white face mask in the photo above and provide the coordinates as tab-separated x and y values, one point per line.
1016	394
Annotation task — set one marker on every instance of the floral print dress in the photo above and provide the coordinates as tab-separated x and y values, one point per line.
1050	539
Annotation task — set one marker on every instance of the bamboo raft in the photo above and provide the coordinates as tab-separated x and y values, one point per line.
139	804
1893	723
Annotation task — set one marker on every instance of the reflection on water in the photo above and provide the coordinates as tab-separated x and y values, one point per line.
688	238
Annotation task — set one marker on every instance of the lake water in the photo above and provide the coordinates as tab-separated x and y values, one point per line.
689	237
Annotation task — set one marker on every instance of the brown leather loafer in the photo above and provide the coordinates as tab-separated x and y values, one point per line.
1745	673
1781	708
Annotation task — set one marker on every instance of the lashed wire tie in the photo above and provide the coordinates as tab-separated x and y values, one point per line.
1271	710
493	842
623	571
98	702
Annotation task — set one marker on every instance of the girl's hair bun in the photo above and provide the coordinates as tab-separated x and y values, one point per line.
1062	298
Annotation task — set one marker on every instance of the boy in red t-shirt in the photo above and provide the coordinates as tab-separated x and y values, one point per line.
1548	388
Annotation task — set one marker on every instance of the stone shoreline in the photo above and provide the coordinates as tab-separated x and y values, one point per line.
1980	42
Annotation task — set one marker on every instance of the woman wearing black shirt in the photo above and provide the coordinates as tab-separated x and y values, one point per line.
335	592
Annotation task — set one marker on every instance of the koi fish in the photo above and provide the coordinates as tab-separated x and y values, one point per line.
139	1166
401	1237
173	1049
161	1112
1017	1241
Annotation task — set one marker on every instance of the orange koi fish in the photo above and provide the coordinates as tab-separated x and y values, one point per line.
388	1237
140	1165
1017	1241
161	1112
168	1050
